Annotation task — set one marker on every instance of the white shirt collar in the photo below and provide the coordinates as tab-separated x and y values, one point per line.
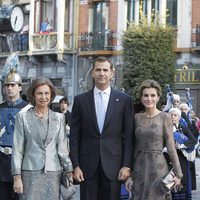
107	90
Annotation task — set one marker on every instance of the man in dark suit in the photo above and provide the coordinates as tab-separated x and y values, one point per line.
101	136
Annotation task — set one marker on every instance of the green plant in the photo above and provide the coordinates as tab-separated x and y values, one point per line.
148	54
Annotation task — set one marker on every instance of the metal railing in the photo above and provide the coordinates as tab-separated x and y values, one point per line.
91	41
41	42
13	42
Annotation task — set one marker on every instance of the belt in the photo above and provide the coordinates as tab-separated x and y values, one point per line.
6	150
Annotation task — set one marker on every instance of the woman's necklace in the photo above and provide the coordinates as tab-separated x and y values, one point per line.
153	114
41	115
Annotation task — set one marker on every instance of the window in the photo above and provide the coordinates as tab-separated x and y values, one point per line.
100	9
45	13
172	12
67	15
131	10
155	6
144	6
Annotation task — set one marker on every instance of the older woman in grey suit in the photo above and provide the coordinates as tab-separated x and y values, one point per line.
39	146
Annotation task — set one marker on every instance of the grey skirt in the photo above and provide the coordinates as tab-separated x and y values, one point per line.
38	185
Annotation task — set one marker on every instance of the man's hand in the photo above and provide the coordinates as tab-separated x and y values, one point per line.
78	175
18	186
124	173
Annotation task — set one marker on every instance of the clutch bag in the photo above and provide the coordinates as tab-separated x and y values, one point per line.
67	189
167	181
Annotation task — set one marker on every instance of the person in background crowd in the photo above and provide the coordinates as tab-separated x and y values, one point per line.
198	125
39	146
184	108
194	116
63	105
185	122
49	27
23	38
44	25
176	100
101	136
153	130
8	111
185	143
191	122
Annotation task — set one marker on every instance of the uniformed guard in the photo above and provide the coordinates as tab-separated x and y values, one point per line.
8	111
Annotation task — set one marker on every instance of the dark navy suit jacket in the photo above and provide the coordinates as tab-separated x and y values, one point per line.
114	146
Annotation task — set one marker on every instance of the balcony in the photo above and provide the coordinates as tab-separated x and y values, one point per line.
49	42
13	42
42	43
94	41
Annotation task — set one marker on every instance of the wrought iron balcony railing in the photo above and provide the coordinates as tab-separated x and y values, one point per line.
41	42
97	41
198	35
13	42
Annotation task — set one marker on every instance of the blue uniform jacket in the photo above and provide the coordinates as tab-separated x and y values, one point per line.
8	112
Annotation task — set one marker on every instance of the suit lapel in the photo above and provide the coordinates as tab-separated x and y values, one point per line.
112	105
91	108
34	130
52	124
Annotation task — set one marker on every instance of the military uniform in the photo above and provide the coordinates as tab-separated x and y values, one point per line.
8	111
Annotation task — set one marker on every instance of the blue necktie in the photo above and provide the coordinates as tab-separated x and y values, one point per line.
101	111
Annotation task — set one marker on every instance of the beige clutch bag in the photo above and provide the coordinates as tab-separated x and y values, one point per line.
167	181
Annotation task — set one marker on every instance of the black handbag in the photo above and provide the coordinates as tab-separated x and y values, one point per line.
67	189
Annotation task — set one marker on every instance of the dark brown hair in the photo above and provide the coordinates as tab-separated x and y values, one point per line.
149	83
102	59
65	100
35	84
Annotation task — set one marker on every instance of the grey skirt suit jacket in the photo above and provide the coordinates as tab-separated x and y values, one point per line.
30	152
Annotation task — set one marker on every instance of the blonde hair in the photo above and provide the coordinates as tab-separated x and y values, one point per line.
184	105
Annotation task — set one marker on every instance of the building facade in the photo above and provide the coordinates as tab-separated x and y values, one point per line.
101	26
47	44
81	30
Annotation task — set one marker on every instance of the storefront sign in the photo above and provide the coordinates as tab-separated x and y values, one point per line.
189	76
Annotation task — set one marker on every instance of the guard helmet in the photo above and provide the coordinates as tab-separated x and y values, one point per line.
13	77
